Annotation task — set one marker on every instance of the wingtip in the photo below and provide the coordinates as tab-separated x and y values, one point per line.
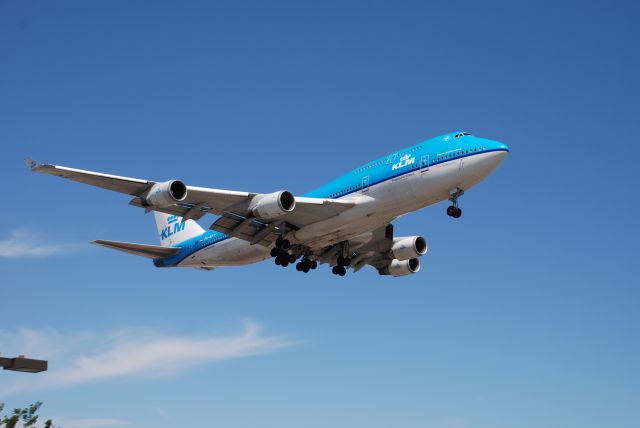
31	163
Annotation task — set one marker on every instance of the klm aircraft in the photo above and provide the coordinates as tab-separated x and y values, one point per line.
346	223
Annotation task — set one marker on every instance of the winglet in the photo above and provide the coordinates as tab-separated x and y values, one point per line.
32	164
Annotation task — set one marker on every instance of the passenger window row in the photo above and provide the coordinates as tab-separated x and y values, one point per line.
413	149
462	152
349	189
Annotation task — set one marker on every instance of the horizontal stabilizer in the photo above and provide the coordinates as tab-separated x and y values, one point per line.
149	251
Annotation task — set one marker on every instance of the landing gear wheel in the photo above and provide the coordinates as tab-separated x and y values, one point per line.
292	258
282	244
299	266
314	264
305	268
335	270
346	262
277	261
453	210
342	271
274	252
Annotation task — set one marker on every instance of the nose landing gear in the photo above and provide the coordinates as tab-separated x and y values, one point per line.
453	210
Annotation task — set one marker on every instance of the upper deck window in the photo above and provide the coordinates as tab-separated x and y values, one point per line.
462	134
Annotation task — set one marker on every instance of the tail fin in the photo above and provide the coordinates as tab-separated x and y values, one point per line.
172	230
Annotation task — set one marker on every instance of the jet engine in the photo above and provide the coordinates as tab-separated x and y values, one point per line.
273	205
409	247
165	194
401	267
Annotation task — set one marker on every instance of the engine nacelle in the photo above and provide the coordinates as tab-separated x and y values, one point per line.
409	247
273	205
166	194
401	267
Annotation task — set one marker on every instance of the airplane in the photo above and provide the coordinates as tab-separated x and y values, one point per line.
346	223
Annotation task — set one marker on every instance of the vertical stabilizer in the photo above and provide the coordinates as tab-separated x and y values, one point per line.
172	230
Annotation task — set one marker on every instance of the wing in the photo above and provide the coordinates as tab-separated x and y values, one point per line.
374	248
130	186
239	222
389	255
237	209
199	200
368	248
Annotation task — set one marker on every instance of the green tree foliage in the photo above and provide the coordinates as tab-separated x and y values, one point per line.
28	416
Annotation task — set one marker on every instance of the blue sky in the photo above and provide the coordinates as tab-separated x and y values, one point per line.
525	313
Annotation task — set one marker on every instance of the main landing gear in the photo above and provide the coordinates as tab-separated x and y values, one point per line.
283	258
341	267
453	210
305	265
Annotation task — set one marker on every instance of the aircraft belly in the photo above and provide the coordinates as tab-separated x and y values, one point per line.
467	174
385	201
231	252
479	166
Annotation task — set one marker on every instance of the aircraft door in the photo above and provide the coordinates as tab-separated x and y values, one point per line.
424	163
365	184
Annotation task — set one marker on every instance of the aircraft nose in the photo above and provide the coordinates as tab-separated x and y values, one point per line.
497	145
498	153
501	150
503	146
495	153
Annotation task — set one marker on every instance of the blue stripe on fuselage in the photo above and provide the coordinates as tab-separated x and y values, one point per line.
444	148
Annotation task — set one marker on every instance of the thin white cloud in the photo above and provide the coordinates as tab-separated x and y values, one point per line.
455	423
77	359
162	412
91	423
25	243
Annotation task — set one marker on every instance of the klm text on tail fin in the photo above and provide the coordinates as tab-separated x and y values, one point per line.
173	230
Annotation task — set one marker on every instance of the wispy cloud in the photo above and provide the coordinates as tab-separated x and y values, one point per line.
91	423
455	423
26	243
76	359
162	412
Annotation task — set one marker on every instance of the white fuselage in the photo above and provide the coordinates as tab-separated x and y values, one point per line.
375	207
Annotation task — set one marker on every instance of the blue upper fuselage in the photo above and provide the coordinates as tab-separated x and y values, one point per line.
431	152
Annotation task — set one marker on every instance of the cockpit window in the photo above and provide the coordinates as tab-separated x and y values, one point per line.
462	134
